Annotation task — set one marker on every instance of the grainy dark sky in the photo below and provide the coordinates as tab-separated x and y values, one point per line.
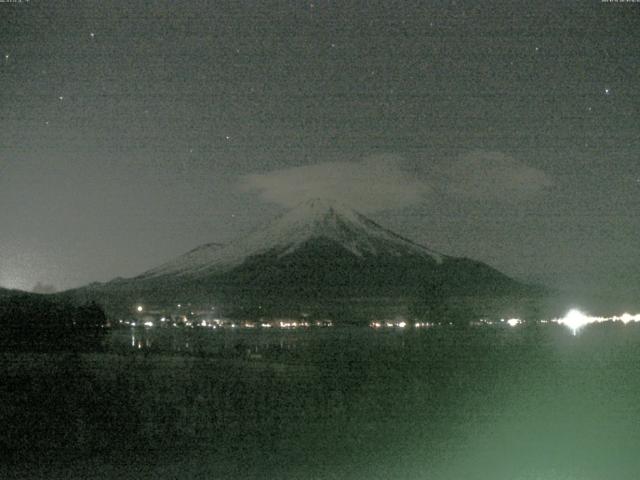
132	131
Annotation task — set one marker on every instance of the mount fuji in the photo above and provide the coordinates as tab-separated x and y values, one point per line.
317	220
319	253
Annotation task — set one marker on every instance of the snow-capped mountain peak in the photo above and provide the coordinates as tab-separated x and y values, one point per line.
312	219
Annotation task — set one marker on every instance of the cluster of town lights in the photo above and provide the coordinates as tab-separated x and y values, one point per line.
399	323
143	316
216	323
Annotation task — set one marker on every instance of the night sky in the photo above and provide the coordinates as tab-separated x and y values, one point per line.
131	131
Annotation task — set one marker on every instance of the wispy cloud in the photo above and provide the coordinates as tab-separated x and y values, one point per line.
376	183
491	176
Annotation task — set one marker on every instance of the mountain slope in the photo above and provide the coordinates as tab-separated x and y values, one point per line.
316	253
313	219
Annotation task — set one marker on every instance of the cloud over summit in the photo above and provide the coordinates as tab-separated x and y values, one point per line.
384	182
373	184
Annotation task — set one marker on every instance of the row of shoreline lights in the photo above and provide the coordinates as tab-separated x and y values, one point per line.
247	324
574	320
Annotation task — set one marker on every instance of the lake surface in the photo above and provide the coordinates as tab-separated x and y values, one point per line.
354	403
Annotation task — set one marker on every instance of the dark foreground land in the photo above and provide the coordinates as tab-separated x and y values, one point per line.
445	403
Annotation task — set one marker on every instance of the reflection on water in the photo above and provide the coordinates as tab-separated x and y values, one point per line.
250	342
443	403
139	340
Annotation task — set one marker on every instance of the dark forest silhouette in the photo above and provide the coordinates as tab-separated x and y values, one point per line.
38	323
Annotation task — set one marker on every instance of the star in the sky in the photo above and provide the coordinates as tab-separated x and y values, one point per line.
60	98
607	91
227	137
92	35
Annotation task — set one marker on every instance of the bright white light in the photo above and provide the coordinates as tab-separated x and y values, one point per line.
139	308
575	320
626	318
148	324
512	322
402	324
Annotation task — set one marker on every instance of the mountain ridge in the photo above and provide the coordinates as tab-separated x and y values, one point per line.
313	218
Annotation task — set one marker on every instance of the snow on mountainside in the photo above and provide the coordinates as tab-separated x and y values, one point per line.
312	219
193	259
